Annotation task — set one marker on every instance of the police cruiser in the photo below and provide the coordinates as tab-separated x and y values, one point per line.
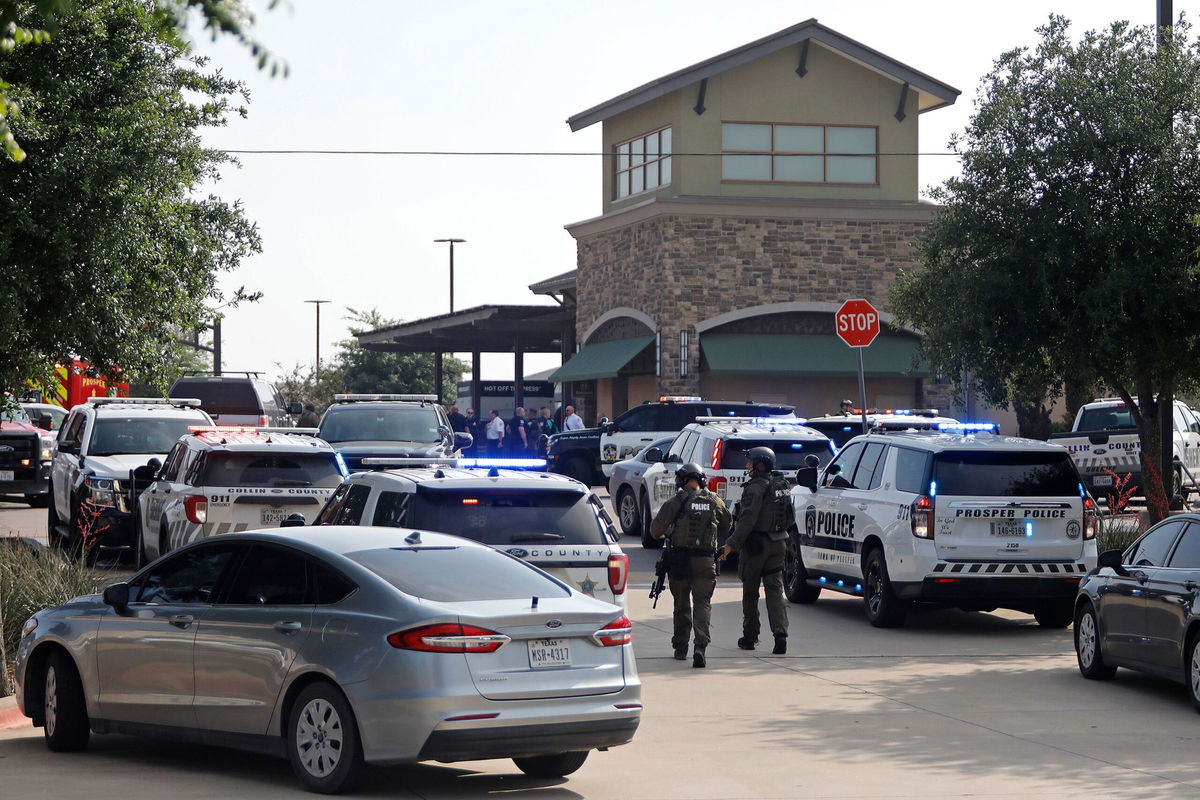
226	479
553	522
841	428
960	517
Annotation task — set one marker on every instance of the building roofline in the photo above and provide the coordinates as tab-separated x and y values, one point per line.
944	93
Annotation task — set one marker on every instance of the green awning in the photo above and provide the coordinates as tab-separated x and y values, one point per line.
796	355
601	360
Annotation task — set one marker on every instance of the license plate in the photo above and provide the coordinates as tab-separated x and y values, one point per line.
7	475
273	516
1102	480
1008	529
549	653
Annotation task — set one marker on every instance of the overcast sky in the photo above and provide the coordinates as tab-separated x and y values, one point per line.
480	75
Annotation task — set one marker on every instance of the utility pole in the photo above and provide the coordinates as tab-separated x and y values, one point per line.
437	357
318	303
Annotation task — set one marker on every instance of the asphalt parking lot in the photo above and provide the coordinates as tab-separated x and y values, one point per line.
953	705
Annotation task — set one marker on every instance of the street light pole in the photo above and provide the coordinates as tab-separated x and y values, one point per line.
318	303
452	242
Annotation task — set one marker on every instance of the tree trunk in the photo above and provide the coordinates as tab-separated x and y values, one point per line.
1033	419
1150	433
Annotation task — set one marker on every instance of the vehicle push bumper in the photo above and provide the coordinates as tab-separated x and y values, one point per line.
1007	582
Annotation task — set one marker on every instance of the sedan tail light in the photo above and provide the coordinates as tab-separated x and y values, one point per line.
922	517
1090	522
618	573
448	637
617	632
196	508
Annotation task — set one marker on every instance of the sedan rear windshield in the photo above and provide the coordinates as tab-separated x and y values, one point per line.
221	397
137	435
458	574
1116	418
507	516
1000	474
381	424
270	470
789	455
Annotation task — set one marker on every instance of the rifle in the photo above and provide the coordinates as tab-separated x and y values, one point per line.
660	577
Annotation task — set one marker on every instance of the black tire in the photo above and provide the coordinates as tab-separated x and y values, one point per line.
66	725
1192	654
322	740
558	765
795	576
884	609
56	541
1087	646
1055	614
648	541
579	468
37	500
629	512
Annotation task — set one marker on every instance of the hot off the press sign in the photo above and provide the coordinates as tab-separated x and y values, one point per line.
857	323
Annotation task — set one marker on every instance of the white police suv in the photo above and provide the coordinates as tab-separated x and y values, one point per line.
960	517
553	522
225	479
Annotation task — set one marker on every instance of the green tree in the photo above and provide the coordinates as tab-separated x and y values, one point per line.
108	247
1066	253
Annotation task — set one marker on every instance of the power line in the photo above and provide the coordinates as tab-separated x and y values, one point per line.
516	153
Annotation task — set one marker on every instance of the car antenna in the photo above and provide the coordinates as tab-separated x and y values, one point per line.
413	538
533	607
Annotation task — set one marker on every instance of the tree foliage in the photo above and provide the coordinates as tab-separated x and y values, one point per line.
1066	252
107	246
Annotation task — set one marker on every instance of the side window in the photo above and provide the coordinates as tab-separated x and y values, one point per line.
391	509
193	576
1193	423
1151	550
170	468
331	587
848	460
350	512
698	450
868	465
193	470
678	417
640	420
73	430
1187	552
266	398
1181	420
271	576
910	470
333	506
682	442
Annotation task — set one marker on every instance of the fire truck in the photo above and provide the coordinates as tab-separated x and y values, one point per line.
75	383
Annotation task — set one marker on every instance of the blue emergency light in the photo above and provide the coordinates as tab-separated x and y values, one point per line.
969	427
501	463
341	465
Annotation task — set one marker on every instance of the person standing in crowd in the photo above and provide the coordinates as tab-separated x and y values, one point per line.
547	422
458	423
572	421
495	434
310	418
545	429
475	428
846	408
760	537
693	519
517	436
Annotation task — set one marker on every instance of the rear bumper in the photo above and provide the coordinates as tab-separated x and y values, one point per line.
516	741
28	480
1021	591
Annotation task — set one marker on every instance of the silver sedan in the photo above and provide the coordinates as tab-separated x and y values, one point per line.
628	491
335	647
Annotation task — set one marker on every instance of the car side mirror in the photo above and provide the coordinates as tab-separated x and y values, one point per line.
1113	559
608	427
146	472
654	455
116	596
807	477
293	521
295	408
833	469
45	422
674	458
463	440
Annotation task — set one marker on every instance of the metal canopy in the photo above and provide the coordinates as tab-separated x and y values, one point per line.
483	329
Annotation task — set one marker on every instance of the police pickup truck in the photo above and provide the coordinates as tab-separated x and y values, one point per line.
1105	446
959	517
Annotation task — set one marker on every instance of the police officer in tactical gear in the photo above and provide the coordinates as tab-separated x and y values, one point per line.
846	407
760	539
693	520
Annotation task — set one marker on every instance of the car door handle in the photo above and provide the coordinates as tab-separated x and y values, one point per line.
861	506
288	626
1191	586
1138	576
182	620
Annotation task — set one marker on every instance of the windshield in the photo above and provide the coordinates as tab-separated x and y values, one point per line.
458	574
258	469
137	435
56	414
1000	474
380	423
220	396
789	455
505	516
1114	418
13	414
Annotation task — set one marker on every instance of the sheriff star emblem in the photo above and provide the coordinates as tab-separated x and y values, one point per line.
587	585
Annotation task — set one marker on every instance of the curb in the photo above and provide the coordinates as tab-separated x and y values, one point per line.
11	717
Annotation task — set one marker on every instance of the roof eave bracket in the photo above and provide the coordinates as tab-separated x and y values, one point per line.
802	67
900	115
699	107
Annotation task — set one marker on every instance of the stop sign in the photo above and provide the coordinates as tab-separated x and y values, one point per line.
857	323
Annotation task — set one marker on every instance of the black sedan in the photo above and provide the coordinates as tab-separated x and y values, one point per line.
1140	610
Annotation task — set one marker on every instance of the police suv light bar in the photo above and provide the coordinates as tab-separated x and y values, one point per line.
295	431
198	429
178	402
398	461
367	398
969	427
667	398
756	420
502	463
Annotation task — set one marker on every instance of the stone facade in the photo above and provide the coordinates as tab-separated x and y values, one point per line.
681	270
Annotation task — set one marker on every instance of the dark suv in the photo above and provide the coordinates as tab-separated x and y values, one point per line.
389	426
239	399
588	455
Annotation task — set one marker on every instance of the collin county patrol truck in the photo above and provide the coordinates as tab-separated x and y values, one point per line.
959	517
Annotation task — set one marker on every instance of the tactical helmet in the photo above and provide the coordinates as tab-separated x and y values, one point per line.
847	403
763	457
687	472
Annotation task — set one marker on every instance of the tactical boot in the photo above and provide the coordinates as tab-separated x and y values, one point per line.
681	653
780	644
698	658
746	644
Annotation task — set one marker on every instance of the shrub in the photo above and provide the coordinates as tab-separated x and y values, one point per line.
1118	532
33	578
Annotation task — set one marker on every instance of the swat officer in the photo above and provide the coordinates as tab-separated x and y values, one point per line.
693	519
760	537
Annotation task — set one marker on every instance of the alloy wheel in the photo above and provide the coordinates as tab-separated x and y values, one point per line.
50	701
1194	669
628	511
319	738
874	589
1086	643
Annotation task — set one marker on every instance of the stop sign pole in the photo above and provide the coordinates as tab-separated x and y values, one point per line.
857	324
